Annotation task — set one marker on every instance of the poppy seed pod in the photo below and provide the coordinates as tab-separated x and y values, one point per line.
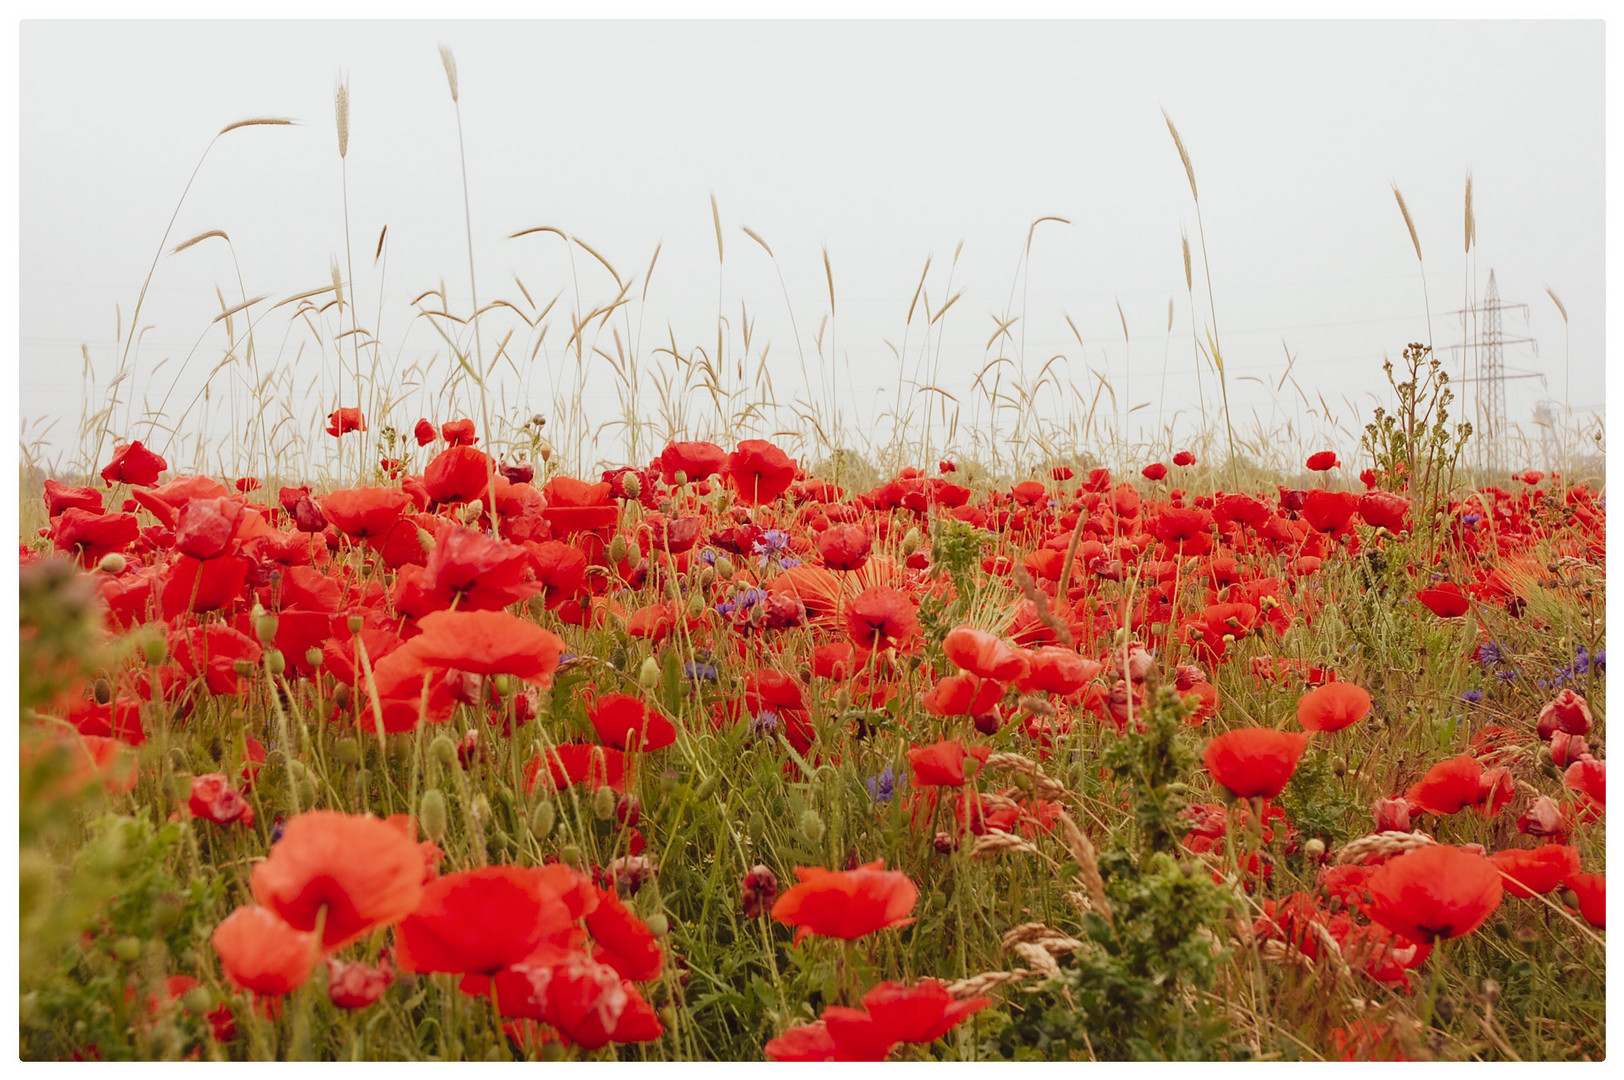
432	814
542	819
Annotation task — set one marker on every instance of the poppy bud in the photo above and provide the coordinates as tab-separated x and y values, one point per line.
425	540
1315	848
696	606
503	683
154	650
911	541
706	789
355	624
166	912
658	924
473	511
443	750
542	818
197	1000
758	891
603	803
432	814
631	485
347	750
103	691
571	855
275	662
617	549
179	786
811	825
648	676
724	566
112	563
127	949
480	809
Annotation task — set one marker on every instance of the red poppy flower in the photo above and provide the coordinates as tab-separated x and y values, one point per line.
696	460
459	474
60	497
260	952
844	547
580	763
759	472
1333	707
345	419
856	1035
481	921
1186	530
881	618
1434	892
1527	871
360	869
423	432
487	643
1448	787
1591	890
588	1002
962	695
1323	461
1544	818
471	570
90	536
918	1014
622	940
133	464
625	722
212	652
1184	457
1445	600
459	432
1254	761
1384	510
1057	670
365	512
804	1042
575	506
1567	712
941	764
1329	511
1589	776
847	904
355	985
981	653
1154	471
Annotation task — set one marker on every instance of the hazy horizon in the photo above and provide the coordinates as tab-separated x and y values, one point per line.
885	144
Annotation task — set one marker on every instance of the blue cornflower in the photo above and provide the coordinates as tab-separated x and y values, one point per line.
764	722
1473	696
1489	653
698	669
883	786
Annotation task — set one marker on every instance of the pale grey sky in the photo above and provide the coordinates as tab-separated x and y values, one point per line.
885	143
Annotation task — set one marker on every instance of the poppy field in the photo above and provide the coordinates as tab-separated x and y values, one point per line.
714	756
410	737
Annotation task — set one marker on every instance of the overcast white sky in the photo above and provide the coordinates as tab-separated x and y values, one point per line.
886	143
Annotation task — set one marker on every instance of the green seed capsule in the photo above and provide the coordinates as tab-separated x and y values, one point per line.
668	1016
348	750
314	656
265	627
275	662
658	924
127	949
355	624
443	750
243	668
811	825
432	814
197	1000
155	651
503	684
542	818
166	912
572	856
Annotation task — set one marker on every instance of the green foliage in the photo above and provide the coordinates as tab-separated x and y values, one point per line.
1135	989
1151	764
1415	442
1317	803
